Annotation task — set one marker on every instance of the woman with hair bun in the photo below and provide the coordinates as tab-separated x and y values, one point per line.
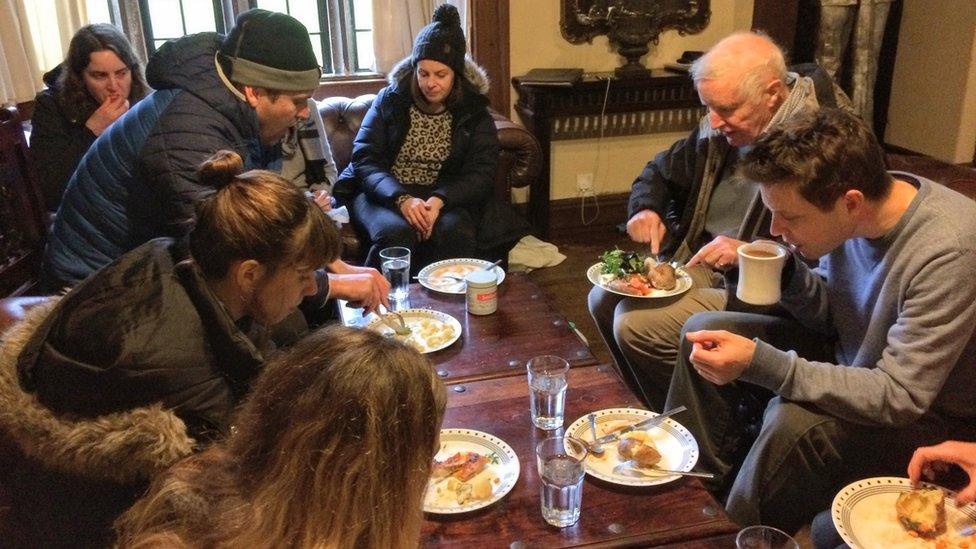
333	448
98	81
142	363
186	330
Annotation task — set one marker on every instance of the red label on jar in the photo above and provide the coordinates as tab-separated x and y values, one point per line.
486	296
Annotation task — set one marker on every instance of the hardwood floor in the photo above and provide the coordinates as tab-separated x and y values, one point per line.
566	286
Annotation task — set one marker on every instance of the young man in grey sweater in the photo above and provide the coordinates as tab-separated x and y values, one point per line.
880	358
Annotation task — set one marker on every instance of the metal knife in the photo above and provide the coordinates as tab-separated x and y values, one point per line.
640	425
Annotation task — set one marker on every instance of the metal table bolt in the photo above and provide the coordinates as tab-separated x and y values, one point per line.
458	389
709	511
441	373
514	363
616	528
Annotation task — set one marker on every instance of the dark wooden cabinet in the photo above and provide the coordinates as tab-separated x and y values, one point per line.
602	105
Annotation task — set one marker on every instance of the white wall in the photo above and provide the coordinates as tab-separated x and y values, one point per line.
933	91
537	42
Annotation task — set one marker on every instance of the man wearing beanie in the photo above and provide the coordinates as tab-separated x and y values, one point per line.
424	159
242	92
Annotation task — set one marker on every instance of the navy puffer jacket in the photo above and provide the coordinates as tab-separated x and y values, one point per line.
138	180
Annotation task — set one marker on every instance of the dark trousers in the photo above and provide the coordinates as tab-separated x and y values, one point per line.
782	468
454	234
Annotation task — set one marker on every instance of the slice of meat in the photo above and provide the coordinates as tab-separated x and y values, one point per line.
445	468
472	466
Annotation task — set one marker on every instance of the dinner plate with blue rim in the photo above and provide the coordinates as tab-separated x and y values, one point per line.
864	515
502	471
435	276
430	330
596	277
677	446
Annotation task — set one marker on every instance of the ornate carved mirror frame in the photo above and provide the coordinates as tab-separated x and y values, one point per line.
630	25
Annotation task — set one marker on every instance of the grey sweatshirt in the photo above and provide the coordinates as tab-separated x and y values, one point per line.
902	308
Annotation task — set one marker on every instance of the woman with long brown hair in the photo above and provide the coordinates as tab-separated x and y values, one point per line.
332	448
98	81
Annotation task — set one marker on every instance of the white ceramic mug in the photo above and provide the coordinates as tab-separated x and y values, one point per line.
760	267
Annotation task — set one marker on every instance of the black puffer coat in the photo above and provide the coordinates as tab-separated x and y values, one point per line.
143	330
467	176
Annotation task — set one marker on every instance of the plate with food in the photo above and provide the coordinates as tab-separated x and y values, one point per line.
430	330
888	513
634	275
665	446
471	470
448	276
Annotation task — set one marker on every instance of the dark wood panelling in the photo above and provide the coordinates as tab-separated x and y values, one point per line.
490	47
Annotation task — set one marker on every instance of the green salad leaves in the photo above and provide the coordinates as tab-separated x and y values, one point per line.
620	263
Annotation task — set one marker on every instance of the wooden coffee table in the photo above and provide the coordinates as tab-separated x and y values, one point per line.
498	344
680	513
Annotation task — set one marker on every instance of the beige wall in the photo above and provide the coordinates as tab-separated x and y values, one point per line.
933	92
537	42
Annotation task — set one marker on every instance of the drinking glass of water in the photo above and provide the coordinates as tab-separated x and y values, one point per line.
547	390
764	537
560	463
395	264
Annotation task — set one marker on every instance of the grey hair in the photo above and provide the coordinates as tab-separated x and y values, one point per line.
751	70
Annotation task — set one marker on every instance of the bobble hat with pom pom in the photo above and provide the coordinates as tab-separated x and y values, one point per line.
442	40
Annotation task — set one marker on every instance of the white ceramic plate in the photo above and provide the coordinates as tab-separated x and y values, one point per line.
439	500
443	329
864	515
429	275
678	447
597	278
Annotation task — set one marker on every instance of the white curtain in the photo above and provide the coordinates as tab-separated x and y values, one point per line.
396	22
34	36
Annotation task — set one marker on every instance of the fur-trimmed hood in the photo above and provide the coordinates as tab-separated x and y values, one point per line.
122	447
474	74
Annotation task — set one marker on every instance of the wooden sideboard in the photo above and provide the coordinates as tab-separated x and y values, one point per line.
664	102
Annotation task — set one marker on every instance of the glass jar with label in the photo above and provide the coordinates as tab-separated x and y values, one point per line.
482	292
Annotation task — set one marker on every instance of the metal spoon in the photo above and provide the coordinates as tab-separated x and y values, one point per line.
595	447
630	467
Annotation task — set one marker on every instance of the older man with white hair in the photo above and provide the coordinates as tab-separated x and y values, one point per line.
689	199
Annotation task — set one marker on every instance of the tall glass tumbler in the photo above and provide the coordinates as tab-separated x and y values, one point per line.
547	391
395	264
764	537
560	463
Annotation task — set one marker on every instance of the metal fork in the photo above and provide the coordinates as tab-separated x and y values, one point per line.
654	472
399	327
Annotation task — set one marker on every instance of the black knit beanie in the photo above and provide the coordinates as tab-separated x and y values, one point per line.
270	50
442	40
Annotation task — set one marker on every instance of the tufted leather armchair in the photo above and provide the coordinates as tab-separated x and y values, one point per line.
519	163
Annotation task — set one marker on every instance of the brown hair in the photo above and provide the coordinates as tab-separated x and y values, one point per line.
257	215
332	447
824	154
74	96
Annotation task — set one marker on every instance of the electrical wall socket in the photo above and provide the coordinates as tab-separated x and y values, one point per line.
584	182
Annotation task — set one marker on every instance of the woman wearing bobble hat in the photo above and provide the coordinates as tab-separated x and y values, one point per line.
425	156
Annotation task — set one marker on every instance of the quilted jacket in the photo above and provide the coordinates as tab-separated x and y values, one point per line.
137	181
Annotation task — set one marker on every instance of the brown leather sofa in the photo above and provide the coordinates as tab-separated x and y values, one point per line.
519	163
